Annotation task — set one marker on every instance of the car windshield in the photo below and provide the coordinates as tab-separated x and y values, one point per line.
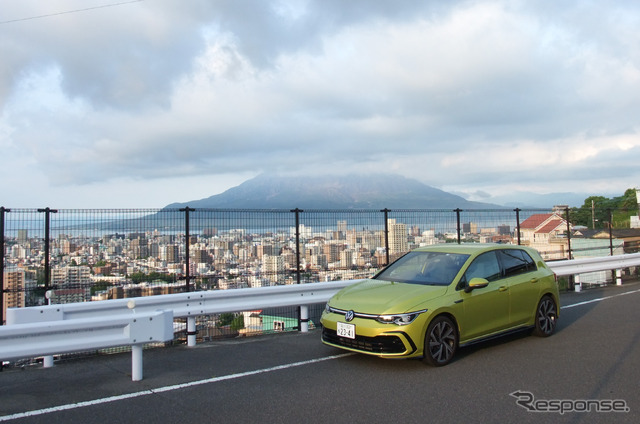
427	268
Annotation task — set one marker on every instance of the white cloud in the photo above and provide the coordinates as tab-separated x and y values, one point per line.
485	96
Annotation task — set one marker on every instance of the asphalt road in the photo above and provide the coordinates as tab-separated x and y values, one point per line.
292	378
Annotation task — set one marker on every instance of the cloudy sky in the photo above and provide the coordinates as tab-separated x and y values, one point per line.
135	104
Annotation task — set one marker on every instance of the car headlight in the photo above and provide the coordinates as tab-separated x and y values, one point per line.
399	319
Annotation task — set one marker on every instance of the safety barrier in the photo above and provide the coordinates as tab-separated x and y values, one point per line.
189	305
66	336
586	265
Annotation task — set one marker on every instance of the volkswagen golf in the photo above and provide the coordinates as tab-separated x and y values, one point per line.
435	299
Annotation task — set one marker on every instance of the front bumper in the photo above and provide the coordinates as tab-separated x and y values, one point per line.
390	344
374	338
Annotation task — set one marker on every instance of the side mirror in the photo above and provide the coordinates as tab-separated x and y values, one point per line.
476	283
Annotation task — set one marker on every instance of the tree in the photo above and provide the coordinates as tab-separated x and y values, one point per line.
225	319
238	323
594	213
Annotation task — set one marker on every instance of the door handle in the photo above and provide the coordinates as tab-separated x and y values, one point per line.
534	280
503	288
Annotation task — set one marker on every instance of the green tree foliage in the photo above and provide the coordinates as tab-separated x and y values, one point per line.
238	323
140	277
596	211
226	319
100	286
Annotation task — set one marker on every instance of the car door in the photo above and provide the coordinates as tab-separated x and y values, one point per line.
520	274
485	310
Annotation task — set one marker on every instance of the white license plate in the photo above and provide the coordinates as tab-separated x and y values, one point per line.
346	330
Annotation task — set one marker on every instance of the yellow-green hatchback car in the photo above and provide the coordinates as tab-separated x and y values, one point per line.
435	299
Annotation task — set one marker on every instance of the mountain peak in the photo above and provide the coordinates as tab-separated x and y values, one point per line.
375	191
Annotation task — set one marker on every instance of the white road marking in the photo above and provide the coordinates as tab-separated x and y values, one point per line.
598	299
166	388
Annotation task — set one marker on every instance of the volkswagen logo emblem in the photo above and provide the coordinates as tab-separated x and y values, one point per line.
349	316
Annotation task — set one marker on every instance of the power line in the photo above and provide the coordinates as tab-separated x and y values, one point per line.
70	11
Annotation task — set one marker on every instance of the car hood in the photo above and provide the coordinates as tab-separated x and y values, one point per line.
385	297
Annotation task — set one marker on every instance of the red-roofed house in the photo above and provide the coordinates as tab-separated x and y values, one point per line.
545	232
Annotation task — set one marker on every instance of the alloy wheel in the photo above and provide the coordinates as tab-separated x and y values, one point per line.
441	342
546	317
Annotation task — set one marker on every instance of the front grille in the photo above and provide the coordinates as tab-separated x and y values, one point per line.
378	344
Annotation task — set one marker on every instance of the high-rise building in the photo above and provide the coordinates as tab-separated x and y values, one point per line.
169	253
23	236
15	290
398	237
273	267
71	276
346	259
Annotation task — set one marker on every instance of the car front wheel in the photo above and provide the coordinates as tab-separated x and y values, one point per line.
546	317
440	342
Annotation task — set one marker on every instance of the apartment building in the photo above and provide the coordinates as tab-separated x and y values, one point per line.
14	296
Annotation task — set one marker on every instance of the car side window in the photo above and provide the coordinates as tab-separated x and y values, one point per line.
484	266
516	261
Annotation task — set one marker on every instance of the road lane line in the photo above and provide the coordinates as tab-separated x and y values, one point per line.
586	302
167	388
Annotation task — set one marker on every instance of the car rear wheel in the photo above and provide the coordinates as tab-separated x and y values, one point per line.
440	342
546	317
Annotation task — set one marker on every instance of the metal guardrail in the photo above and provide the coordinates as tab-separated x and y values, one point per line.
185	305
35	321
35	339
583	265
188	305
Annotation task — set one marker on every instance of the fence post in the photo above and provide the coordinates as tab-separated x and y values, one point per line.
187	235
2	212
47	223
457	211
386	233
517	211
191	321
296	211
297	215
610	232
568	234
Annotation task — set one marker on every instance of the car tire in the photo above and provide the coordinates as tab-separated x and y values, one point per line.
440	341
546	317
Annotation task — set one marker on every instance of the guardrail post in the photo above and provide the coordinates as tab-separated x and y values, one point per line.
191	331
577	284
136	362
618	277
304	319
47	361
